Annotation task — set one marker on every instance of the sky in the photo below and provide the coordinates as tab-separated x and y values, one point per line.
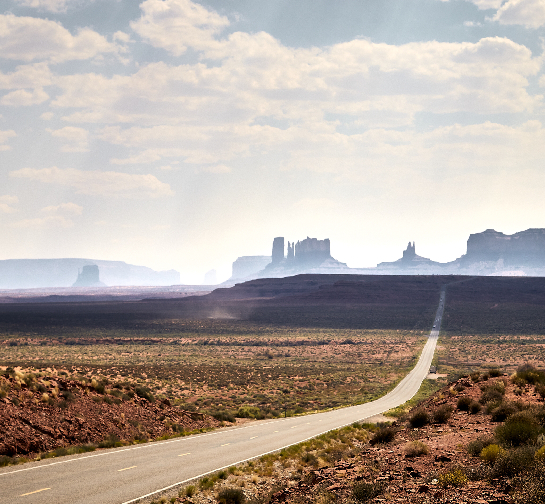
181	134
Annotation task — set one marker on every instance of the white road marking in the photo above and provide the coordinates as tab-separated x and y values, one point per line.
126	468
253	437
184	454
226	444
35	491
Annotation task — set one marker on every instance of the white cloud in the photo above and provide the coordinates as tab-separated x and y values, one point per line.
486	4
24	98
36	75
4	137
221	168
175	25
48	5
67	208
28	39
529	13
7	202
97	183
50	221
47	116
76	139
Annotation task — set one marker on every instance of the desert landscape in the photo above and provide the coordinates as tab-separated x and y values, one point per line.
84	376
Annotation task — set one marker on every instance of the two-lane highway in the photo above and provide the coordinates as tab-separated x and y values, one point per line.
124	475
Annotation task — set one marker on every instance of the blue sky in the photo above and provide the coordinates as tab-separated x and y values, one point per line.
180	134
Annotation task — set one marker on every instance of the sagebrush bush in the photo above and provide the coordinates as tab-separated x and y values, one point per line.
463	403
383	435
230	496
476	446
503	411
364	491
249	412
415	449
419	418
519	429
513	462
442	414
491	453
475	407
493	393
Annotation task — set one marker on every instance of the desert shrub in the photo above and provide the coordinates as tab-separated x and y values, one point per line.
383	435
110	441
231	496
144	393
190	491
415	449
494	372
475	407
364	491
540	454
207	482
453	478
419	418
503	411
442	414
476	446
249	412
519	429
513	462
491	453
529	374
532	488
463	403
224	416
493	393
309	458
475	376
459	387
540	389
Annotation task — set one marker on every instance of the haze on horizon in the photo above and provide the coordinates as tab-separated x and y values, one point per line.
181	134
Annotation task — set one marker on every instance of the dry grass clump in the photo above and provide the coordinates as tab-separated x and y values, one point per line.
415	449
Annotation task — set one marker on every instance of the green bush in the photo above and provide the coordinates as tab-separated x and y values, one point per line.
453	478
383	435
419	418
442	414
144	393
231	496
363	491
463	403
494	372
504	411
493	393
475	407
224	416
529	374
519	429
476	446
249	412
491	453
513	462
190	491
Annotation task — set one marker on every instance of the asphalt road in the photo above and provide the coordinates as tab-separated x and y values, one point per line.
124	475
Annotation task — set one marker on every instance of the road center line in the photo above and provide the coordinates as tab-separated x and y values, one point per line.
35	491
184	454
253	437
226	444
126	468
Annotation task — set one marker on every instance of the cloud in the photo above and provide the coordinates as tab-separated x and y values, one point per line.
529	13
36	75
28	39
48	5
4	137
7	202
221	168
24	98
175	25
486	4
97	183
44	222
76	139
68	208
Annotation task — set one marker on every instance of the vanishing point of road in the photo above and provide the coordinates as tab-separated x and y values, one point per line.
125	475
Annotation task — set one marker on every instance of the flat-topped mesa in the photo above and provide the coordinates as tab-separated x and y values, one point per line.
525	248
312	250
